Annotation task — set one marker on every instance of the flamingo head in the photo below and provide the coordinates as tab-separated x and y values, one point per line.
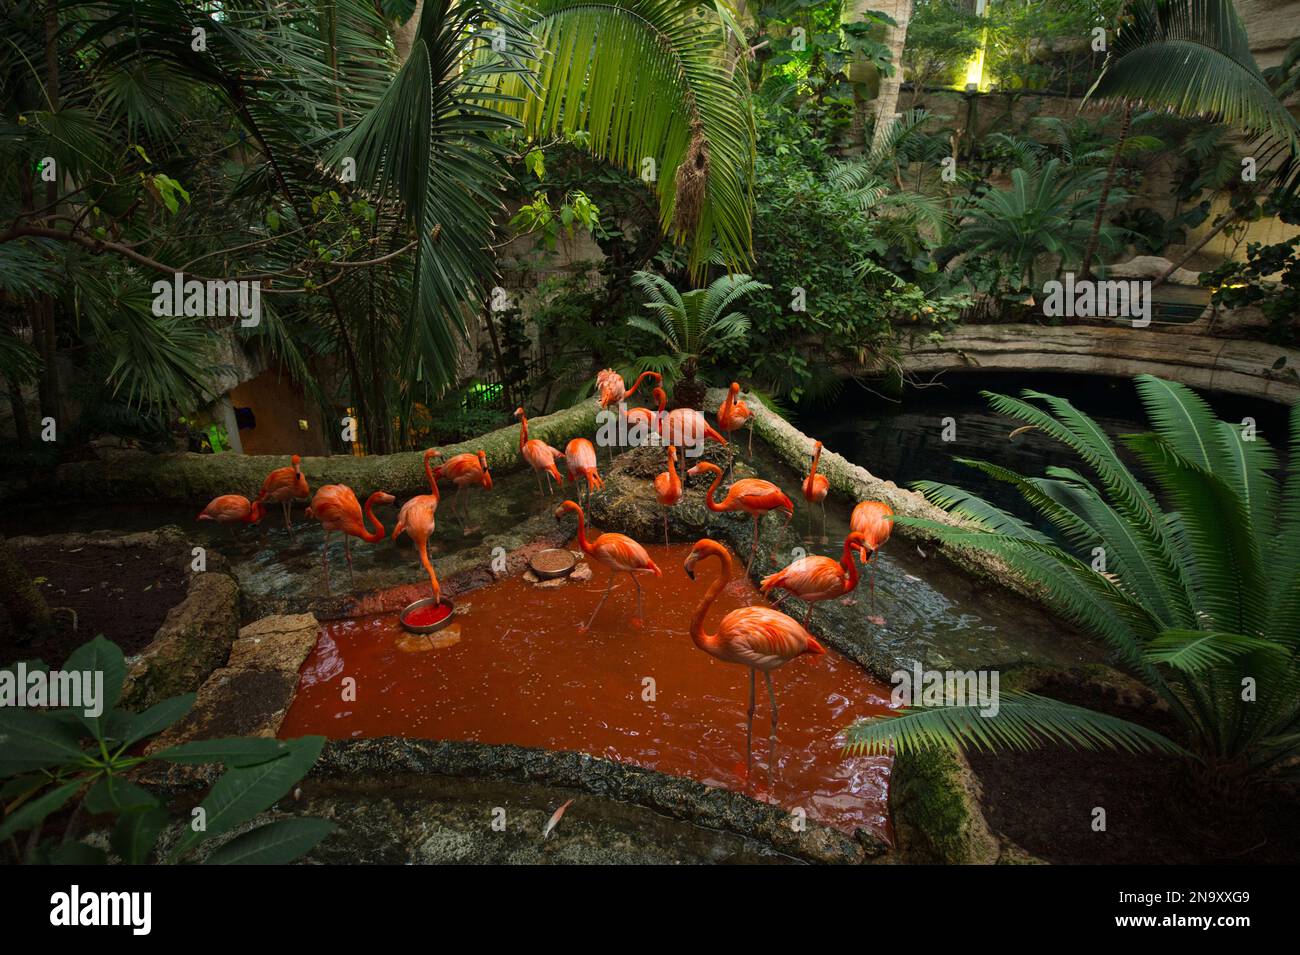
704	467
519	412
296	460
660	396
734	389
567	507
257	512
380	497
817	446
705	547
672	454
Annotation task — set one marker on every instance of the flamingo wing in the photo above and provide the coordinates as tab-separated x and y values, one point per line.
809	578
764	638
620	552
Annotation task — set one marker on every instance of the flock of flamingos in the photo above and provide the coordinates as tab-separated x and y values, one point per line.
758	637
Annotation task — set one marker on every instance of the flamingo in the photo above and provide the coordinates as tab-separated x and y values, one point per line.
684	427
611	392
282	486
430	474
668	487
336	507
753	496
875	521
580	459
232	509
416	519
609	384
618	552
466	471
815	488
539	455
733	414
757	637
816	577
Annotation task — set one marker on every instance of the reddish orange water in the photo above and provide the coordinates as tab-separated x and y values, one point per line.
522	673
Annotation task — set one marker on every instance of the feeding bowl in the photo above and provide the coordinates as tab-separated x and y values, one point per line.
427	615
552	562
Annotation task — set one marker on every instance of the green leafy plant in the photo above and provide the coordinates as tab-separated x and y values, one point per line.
1198	596
693	325
52	759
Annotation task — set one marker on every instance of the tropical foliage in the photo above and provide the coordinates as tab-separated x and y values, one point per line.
59	758
1193	584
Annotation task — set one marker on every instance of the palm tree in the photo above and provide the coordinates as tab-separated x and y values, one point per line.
1045	211
1193	58
1197	594
693	325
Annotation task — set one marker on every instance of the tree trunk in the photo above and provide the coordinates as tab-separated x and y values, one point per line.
1085	268
28	612
404	33
896	39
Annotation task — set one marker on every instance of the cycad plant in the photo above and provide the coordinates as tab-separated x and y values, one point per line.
693	325
1193	585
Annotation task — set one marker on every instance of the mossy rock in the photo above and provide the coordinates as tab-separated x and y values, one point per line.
934	799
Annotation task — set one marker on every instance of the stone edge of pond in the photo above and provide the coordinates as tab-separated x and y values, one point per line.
672	796
134	476
794	448
196	635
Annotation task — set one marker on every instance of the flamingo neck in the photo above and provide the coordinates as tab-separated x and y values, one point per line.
709	641
371	537
817	456
637	384
674	481
849	564
582	534
708	495
523	431
429	473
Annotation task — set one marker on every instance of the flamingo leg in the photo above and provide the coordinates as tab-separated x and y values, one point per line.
749	726
325	560
601	602
347	552
750	453
288	524
754	549
538	475
665	527
807	616
636	622
771	740
823	520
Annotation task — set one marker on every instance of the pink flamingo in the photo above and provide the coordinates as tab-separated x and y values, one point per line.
336	507
580	459
282	486
684	427
815	488
757	637
232	509
874	520
816	577
539	455
612	393
733	414
620	553
466	471
668	487
753	496
417	519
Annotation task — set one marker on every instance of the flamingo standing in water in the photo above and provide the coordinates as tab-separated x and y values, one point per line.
757	637
580	460
815	488
612	392
816	577
874	520
753	496
539	455
336	507
668	487
466	471
620	553
684	427
282	486
733	414
232	509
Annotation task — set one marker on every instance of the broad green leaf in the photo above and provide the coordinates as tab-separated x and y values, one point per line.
273	844
33	813
136	833
234	752
33	740
129	728
111	794
100	656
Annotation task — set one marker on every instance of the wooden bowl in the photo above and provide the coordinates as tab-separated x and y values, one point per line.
551	563
420	605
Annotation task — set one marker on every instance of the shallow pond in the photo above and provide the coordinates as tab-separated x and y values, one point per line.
514	668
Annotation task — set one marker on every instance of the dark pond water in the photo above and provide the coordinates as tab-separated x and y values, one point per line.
905	441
